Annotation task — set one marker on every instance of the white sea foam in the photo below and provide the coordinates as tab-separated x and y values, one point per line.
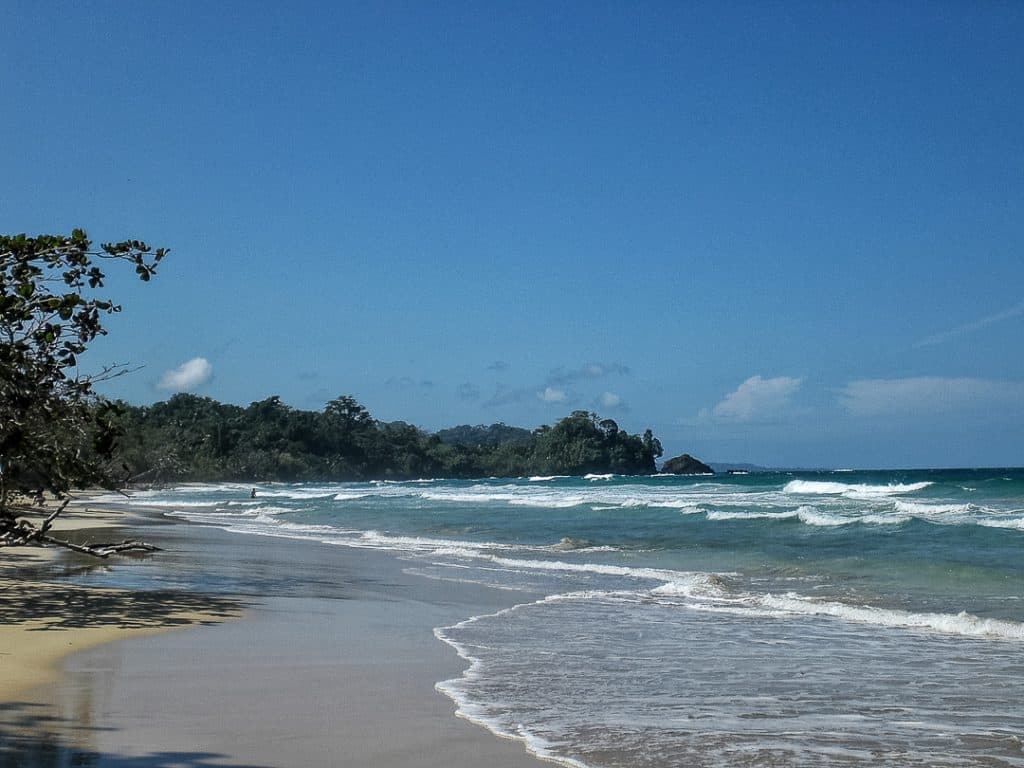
562	502
272	510
600	495
299	494
465	553
719	515
569	544
689	509
812	516
1009	522
633	502
664	504
711	584
467	709
963	623
353	496
702	585
433	545
193	488
852	490
883	519
809	515
179	504
920	508
597	477
467	497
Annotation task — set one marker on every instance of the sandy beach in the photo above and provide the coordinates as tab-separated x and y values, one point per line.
44	618
293	655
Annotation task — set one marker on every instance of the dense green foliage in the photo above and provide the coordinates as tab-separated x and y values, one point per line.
54	433
495	434
190	438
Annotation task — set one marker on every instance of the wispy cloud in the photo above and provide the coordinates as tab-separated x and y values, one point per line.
469	392
610	401
929	395
557	385
962	330
754	399
188	376
587	371
408	382
552	395
505	396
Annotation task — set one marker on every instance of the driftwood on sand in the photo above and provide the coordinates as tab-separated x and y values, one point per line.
17	530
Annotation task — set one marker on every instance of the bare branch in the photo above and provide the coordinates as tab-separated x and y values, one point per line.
102	550
49	521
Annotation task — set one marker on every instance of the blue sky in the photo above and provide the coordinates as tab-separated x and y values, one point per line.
786	233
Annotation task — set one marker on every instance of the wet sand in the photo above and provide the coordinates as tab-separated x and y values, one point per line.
333	664
44	617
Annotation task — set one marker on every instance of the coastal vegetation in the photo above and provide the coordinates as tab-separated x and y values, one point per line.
192	438
55	433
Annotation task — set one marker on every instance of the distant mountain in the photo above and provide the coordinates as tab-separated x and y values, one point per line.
725	467
721	467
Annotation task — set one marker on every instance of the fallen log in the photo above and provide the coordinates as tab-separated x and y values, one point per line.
16	531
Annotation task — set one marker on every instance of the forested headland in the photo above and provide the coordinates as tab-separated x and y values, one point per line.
191	438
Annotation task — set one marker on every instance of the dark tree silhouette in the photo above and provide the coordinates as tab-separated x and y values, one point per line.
55	433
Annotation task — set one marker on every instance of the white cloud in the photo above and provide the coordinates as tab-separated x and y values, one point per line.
928	395
610	400
187	376
552	395
756	398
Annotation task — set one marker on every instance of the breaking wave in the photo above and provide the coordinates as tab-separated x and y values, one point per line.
852	490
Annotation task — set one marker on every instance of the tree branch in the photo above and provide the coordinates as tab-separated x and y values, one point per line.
15	532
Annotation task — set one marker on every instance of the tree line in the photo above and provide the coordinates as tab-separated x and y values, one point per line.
192	438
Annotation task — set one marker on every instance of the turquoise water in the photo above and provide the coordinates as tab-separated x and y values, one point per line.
791	619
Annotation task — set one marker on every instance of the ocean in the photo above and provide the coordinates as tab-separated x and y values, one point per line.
842	618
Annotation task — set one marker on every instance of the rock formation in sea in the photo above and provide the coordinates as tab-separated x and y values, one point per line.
686	465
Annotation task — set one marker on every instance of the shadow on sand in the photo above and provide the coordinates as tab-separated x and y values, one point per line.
29	739
65	606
